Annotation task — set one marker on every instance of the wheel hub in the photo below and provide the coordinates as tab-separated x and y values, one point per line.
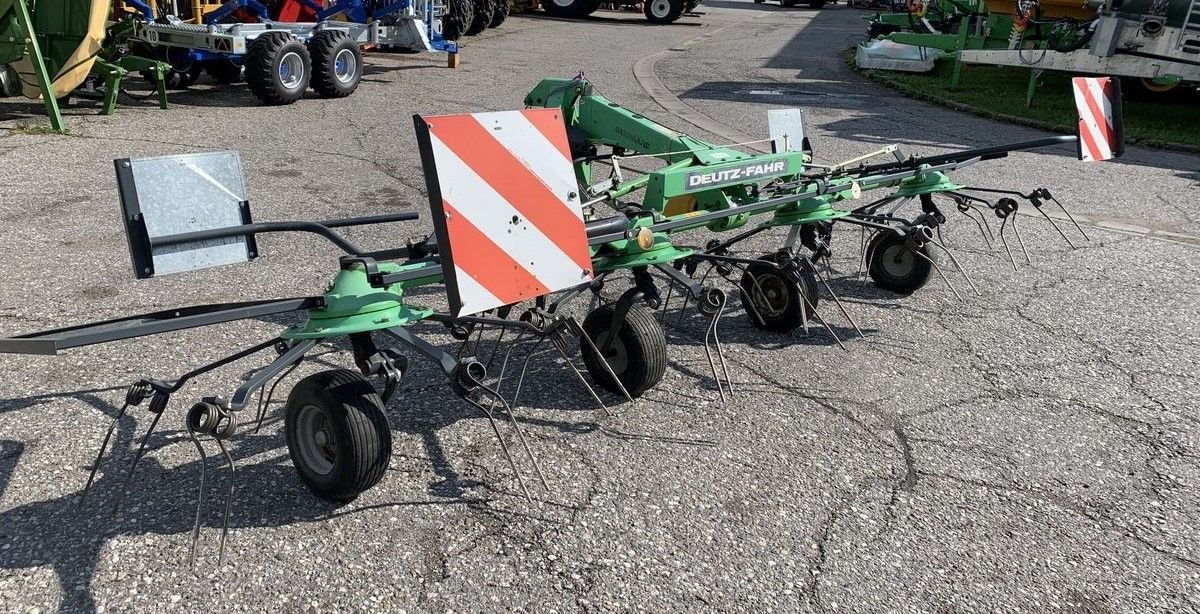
770	295
898	260
616	356
291	70
317	449
344	66
660	8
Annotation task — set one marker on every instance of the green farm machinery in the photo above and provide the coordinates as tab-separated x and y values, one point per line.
1150	42
518	237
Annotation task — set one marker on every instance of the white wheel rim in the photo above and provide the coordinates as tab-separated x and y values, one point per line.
563	3
313	440
345	67
660	8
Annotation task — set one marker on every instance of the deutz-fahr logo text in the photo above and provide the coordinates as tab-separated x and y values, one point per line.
733	175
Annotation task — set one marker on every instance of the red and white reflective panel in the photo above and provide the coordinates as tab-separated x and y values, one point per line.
1098	101
510	219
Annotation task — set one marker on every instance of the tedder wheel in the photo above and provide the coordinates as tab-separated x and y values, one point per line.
570	8
894	266
224	71
484	10
662	11
638	356
778	298
278	68
501	13
337	434
458	15
336	64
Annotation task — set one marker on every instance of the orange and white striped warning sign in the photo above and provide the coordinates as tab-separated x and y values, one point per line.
506	206
1098	101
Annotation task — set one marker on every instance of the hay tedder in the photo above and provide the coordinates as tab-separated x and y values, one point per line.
517	239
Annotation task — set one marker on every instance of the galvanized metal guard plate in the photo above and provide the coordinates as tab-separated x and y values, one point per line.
178	194
505	205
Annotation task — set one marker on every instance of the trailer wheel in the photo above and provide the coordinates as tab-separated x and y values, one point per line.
570	8
336	63
278	68
501	13
638	355
894	266
482	16
777	298
458	15
224	71
662	11
337	434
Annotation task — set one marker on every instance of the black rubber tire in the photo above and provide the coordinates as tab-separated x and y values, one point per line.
641	340
500	14
670	16
894	267
458	15
788	296
787	3
816	4
353	419
482	16
325	48
224	71
575	8
263	62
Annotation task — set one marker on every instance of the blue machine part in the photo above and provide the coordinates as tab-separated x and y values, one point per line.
230	6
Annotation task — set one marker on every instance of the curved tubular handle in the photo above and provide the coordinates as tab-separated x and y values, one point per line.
324	228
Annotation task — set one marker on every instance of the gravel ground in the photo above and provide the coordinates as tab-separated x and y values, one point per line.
1033	447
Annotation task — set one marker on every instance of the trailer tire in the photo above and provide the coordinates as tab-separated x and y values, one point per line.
638	356
662	11
501	13
458	15
816	4
224	71
778	299
893	265
570	8
337	434
482	16
336	63
278	68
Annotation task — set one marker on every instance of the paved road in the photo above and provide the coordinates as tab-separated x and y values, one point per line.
1033	448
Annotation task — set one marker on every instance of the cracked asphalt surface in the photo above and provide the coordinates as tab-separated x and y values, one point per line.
1033	447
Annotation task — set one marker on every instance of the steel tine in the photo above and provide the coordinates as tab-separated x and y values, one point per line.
1004	242
967	212
986	226
228	499
103	446
499	342
941	273
806	304
200	498
1055	225
662	313
503	446
1071	217
507	355
708	354
558	343
959	267
136	459
608	370
863	272
805	307
938	230
264	402
1020	241
716	322
524	369
748	305
512	418
829	288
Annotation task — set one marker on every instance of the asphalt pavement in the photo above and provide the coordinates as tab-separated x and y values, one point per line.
1032	447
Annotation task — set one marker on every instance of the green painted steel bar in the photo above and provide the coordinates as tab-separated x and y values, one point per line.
24	26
